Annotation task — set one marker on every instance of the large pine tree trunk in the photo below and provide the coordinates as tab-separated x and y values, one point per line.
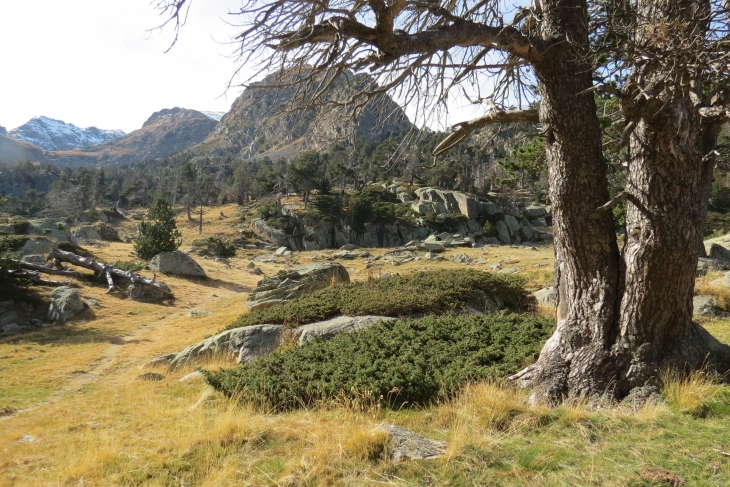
668	185
621	318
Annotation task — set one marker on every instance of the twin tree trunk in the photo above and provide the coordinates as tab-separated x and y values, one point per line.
622	316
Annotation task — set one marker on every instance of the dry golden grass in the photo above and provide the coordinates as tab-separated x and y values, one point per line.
692	393
93	423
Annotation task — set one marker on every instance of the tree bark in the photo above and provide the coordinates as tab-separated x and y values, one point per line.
668	183
587	270
624	319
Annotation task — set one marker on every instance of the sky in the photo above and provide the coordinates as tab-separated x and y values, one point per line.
101	63
95	63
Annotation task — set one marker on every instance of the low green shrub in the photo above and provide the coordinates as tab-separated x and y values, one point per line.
130	265
402	362
216	246
70	247
21	227
490	230
11	243
435	292
12	288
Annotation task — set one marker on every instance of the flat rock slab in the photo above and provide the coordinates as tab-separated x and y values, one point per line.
341	324
407	445
176	262
249	342
283	287
245	343
150	376
545	296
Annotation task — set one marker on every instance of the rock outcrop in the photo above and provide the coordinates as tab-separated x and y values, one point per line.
436	210
176	262
704	305
341	324
145	294
65	304
270	234
37	246
403	444
97	231
286	286
249	342
86	232
545	296
243	344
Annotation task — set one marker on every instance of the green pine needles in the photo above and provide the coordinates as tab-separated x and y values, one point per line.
158	233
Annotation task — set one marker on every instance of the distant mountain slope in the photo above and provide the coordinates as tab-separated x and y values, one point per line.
12	150
51	134
256	124
164	133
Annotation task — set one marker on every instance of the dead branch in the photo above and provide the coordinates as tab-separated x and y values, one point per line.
614	201
35	277
715	113
462	130
48	270
108	271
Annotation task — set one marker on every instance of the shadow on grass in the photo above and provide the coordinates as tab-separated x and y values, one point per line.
70	335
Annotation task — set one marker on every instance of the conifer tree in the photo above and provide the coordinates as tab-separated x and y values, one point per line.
158	233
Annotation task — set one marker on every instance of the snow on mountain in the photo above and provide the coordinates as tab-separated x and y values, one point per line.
214	115
51	134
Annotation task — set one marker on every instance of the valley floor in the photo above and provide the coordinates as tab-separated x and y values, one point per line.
77	415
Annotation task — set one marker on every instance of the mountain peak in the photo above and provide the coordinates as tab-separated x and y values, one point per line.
51	134
173	115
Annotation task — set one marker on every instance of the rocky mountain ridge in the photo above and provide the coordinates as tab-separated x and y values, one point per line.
165	132
260	123
257	124
55	135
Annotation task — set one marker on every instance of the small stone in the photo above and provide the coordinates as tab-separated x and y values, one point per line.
251	265
150	376
7	411
26	439
407	445
197	313
92	302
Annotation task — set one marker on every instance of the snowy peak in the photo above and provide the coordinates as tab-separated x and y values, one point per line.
56	135
214	115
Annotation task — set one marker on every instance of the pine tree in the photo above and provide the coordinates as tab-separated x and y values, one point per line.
158	233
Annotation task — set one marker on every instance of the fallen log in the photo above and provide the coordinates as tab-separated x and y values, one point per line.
35	277
48	270
108	271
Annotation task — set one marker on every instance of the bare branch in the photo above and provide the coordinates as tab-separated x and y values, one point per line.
462	130
614	201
